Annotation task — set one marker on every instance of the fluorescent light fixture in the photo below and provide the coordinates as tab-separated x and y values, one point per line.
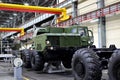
7	20
1	12
94	20
26	4
10	17
15	14
4	23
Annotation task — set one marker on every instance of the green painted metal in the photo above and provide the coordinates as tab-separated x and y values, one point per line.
56	30
75	36
39	42
70	41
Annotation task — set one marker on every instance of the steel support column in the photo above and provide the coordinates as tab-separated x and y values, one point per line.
74	8
101	27
23	18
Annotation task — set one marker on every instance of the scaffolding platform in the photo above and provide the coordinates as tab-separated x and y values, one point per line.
7	57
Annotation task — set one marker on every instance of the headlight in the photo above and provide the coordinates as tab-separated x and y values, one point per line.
51	48
47	42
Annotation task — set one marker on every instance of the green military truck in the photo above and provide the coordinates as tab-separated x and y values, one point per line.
72	45
56	44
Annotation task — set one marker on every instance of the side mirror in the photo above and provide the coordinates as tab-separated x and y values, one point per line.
91	37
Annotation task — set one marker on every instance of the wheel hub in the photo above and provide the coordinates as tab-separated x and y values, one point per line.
80	70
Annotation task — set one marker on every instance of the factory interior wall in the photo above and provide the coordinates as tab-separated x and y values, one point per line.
113	30
108	2
69	10
87	6
112	22
113	26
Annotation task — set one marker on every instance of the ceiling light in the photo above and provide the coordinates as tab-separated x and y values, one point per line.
0	1
10	17
1	12
4	23
26	4
7	20
15	14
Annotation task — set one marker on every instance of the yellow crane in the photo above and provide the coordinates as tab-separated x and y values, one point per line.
21	30
23	8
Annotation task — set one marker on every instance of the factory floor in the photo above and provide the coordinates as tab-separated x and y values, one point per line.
6	71
6	76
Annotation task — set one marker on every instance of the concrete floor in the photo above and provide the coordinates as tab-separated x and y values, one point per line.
67	75
6	76
34	75
6	73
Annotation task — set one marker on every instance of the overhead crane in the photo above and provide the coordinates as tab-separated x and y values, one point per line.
21	30
23	8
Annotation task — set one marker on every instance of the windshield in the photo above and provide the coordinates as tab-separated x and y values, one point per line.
80	31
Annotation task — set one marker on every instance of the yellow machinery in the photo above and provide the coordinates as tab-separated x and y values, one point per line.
24	8
21	30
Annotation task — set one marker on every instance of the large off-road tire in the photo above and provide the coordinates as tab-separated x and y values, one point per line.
86	65
114	66
37	61
26	58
